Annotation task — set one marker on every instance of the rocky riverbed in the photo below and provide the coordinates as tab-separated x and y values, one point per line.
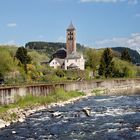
92	118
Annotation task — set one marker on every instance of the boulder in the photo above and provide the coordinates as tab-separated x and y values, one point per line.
87	111
56	114
13	132
2	123
20	120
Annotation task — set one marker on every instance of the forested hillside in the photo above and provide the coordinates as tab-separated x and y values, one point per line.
50	47
133	53
20	65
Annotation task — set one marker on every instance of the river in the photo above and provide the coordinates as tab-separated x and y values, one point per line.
92	118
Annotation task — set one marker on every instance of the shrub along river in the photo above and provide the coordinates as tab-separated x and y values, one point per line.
92	118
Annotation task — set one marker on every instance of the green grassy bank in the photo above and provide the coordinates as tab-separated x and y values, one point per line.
30	101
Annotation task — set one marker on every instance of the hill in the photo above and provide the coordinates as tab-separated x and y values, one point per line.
133	53
50	47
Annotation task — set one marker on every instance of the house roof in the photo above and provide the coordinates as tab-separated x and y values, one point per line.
60	53
73	55
60	61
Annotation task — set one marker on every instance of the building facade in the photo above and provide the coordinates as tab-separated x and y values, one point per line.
73	59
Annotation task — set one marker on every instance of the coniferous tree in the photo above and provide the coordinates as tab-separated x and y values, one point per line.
125	55
23	57
106	64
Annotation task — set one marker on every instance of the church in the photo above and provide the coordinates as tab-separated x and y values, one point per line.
68	58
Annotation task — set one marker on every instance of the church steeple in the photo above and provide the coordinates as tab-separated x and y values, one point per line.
71	27
71	39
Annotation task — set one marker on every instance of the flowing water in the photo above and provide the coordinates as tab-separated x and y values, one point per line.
94	118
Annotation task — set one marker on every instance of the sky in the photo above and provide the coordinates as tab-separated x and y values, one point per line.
99	23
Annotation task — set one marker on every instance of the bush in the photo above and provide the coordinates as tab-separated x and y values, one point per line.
123	69
77	74
59	73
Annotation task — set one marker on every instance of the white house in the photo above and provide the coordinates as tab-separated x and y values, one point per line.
56	63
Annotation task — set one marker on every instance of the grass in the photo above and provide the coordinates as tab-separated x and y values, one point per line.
56	96
98	92
32	101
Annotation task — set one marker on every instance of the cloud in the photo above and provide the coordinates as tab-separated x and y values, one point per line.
40	36
110	1
132	2
11	25
11	42
61	39
137	15
83	1
59	0
132	42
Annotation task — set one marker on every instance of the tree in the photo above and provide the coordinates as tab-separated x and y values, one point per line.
106	64
123	68
125	55
6	64
93	60
23	57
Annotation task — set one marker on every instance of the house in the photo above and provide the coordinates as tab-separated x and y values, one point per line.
69	58
56	63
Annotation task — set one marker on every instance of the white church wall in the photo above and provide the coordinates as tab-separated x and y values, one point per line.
80	62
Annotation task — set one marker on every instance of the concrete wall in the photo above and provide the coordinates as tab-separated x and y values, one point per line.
8	94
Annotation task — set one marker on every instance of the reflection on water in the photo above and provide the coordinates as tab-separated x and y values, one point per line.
95	118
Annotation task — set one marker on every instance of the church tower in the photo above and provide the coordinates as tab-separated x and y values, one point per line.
71	39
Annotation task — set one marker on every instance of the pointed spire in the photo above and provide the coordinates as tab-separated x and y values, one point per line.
71	27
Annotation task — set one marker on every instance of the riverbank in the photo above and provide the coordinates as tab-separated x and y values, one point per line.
30	104
19	112
8	94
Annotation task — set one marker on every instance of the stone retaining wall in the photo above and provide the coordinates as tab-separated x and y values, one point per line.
8	94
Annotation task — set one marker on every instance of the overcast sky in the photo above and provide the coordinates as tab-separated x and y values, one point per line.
99	23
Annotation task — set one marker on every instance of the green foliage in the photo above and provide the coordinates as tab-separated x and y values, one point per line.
125	55
59	73
135	56
9	69
32	101
58	95
76	74
93	58
138	70
50	47
22	56
37	57
106	64
13	116
98	92
19	71
8	66
124	69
